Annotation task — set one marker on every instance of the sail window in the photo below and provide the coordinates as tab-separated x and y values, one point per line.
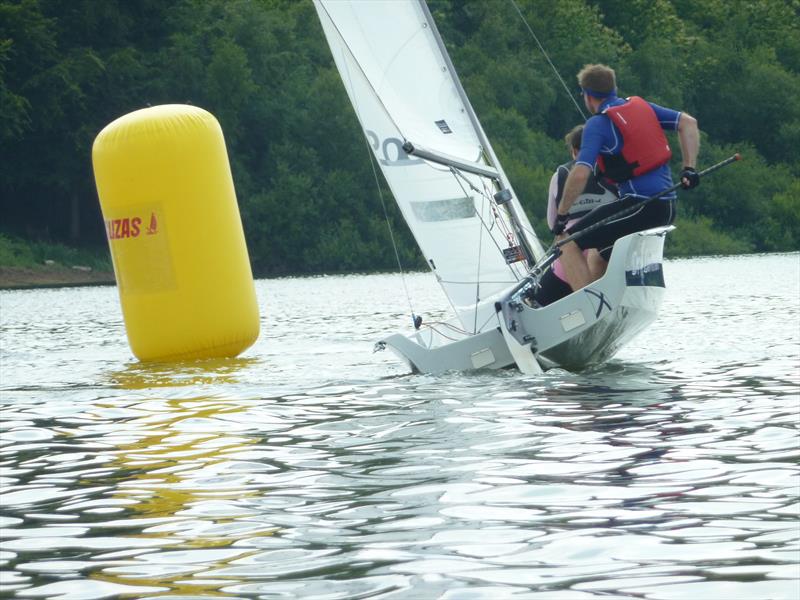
444	210
444	126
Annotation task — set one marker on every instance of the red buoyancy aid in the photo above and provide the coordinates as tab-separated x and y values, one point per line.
644	145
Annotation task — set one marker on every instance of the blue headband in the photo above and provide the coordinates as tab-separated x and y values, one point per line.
595	94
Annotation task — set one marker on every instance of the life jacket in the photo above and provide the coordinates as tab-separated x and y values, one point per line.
644	145
598	191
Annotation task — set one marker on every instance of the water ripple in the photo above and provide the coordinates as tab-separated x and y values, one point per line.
314	469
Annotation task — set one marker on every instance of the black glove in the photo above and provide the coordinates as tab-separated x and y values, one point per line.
560	224
689	178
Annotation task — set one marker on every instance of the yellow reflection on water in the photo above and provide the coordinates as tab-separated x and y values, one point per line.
139	376
177	461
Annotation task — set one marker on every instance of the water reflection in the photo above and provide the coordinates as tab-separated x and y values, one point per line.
214	371
273	477
501	485
174	473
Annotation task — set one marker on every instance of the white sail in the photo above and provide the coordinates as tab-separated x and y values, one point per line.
403	89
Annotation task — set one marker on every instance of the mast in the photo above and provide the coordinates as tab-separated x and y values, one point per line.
505	184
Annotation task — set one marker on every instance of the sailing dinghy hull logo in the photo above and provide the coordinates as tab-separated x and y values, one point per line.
392	150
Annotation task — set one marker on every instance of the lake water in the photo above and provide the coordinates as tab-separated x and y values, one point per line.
312	468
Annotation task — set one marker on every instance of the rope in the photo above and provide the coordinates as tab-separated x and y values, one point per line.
458	174
544	52
478	270
432	326
481	227
391	234
383	202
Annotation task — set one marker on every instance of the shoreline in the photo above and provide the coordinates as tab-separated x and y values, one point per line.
23	278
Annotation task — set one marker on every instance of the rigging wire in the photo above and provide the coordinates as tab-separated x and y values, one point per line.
414	318
482	226
544	52
478	270
432	325
457	174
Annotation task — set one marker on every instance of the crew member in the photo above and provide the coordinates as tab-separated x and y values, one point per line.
598	192
625	139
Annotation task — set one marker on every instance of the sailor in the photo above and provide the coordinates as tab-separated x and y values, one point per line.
625	139
599	191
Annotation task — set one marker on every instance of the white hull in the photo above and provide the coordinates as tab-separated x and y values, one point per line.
585	328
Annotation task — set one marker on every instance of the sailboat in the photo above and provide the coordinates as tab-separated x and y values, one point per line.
464	214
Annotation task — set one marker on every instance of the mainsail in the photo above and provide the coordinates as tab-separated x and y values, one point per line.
404	90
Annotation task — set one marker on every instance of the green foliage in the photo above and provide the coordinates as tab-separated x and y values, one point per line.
18	252
701	236
305	184
757	202
14	109
744	71
15	252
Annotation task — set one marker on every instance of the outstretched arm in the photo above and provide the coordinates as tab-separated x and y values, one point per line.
689	137
574	186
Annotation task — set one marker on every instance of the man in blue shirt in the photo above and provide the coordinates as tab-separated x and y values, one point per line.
625	138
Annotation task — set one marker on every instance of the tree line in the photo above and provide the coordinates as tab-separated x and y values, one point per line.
304	182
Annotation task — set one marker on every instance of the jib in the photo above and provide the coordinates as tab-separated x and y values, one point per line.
123	228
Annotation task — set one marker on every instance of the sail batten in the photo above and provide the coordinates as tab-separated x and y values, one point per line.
403	88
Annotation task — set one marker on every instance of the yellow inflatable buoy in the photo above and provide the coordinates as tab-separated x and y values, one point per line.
175	235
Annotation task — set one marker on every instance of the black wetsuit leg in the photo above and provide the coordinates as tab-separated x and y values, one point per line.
551	289
655	213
